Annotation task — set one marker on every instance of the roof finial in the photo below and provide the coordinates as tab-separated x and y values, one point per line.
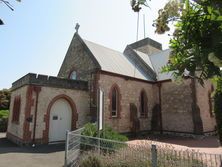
77	27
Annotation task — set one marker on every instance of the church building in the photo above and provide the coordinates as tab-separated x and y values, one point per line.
137	96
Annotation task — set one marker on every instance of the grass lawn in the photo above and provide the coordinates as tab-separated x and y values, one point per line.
4	113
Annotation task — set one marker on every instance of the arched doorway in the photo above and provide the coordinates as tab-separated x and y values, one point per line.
60	120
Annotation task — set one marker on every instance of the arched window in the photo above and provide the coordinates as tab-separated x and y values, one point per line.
114	102
143	104
73	75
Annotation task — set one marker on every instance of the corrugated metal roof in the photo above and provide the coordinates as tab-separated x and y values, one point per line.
114	61
145	58
159	60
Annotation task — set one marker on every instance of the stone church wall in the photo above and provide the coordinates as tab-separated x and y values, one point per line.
16	129
48	92
176	103
77	58
130	93
205	103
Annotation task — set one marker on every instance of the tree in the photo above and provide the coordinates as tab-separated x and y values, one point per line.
8	5
136	4
196	44
5	95
197	40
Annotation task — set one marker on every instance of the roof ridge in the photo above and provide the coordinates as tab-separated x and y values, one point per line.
102	46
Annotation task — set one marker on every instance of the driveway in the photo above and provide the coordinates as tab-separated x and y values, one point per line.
41	156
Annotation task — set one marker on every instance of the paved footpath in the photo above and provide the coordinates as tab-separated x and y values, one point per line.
12	155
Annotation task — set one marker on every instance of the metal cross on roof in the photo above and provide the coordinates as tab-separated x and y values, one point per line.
77	27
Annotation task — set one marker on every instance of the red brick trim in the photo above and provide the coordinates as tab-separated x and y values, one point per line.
47	116
145	104
29	103
119	97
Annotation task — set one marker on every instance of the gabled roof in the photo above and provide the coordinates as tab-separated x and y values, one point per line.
159	60
131	63
115	62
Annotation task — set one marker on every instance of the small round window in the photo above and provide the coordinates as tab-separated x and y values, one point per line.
73	75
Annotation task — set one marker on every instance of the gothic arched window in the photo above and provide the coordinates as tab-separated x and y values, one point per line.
143	104
73	75
115	102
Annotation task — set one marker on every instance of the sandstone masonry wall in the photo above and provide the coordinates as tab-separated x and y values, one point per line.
203	101
14	128
80	98
130	92
77	58
176	106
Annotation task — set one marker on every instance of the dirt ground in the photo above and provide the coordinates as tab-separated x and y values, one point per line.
12	155
206	145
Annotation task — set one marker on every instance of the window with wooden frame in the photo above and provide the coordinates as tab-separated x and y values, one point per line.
143	104
16	109
115	102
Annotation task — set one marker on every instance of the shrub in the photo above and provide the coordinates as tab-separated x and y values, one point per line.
4	114
5	95
3	120
107	133
90	130
90	161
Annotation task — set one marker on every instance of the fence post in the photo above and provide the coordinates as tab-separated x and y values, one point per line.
154	155
66	148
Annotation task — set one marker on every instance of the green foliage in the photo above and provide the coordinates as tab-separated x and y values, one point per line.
90	161
3	120
218	107
90	130
136	4
4	114
5	95
197	41
107	133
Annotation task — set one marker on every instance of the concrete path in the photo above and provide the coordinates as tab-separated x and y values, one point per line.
41	156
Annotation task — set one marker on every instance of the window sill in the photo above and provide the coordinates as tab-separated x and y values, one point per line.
117	117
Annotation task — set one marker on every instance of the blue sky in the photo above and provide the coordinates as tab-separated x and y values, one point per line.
37	34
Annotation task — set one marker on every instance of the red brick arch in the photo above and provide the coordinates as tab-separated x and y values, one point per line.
47	116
